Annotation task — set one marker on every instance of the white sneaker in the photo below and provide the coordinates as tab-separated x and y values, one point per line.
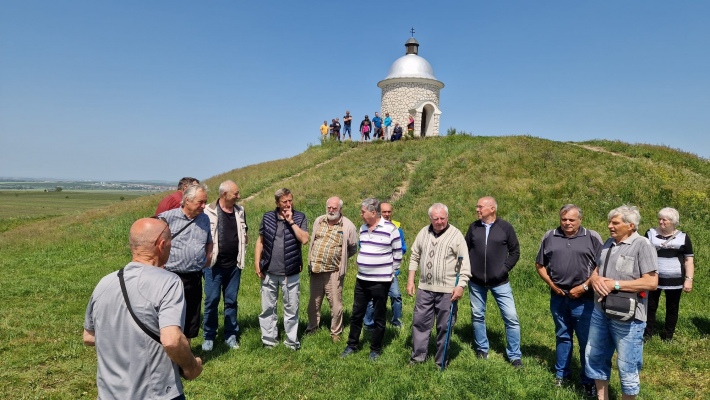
207	345
232	342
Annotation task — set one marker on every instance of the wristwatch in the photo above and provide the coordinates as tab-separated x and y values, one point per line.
585	287
616	285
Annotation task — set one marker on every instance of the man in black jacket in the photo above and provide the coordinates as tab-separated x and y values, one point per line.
493	250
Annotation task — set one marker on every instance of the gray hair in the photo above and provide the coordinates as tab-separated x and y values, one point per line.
629	214
568	207
281	193
224	187
671	214
191	192
340	201
371	204
438	206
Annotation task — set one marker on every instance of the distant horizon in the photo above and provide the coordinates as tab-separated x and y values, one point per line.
162	90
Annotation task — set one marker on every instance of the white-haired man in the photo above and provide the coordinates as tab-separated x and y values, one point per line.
333	242
191	251
435	254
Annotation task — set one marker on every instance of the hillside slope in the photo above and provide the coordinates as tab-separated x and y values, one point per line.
48	269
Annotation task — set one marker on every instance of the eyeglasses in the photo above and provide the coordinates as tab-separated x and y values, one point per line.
161	232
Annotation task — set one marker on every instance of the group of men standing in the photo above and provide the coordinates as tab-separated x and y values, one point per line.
199	239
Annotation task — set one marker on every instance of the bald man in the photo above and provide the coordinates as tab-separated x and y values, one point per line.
130	365
493	250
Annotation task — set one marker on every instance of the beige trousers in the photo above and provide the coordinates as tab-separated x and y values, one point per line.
329	284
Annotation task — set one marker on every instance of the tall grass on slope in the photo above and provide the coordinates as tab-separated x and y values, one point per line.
48	270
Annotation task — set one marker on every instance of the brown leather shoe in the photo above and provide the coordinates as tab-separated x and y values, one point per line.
335	338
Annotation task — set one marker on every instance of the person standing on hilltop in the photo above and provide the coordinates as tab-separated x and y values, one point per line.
377	122
388	126
365	128
324	130
347	123
173	200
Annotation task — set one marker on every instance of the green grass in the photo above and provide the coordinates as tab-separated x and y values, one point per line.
49	268
20	207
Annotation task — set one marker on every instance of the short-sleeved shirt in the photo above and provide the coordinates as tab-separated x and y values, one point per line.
131	365
629	260
327	246
377	121
569	260
188	252
347	121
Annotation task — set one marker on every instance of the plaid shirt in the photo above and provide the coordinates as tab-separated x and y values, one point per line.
327	247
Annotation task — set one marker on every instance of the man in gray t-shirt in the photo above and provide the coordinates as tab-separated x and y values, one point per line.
131	365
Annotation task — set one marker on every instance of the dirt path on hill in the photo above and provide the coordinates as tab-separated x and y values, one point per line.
296	175
601	150
401	190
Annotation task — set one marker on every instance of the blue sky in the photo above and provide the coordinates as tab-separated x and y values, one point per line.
163	89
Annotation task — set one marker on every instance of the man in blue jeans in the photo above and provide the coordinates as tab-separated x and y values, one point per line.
394	293
228	226
565	261
493	250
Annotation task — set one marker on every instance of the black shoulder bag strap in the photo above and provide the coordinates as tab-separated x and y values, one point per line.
606	261
183	228
130	309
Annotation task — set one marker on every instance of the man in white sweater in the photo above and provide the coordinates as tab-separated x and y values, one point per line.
435	254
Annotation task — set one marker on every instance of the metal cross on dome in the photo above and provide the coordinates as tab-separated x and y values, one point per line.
412	30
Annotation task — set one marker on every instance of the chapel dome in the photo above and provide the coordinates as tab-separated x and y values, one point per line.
411	66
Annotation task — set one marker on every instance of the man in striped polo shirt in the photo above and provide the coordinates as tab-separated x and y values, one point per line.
380	256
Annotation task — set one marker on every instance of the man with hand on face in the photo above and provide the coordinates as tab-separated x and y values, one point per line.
333	242
278	263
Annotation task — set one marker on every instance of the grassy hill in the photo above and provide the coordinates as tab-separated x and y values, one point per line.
49	268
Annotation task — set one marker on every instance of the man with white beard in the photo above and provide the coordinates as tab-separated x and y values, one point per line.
333	241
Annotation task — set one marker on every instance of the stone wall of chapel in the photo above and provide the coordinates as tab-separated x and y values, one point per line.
399	97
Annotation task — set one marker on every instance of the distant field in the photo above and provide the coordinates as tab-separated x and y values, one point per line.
19	207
